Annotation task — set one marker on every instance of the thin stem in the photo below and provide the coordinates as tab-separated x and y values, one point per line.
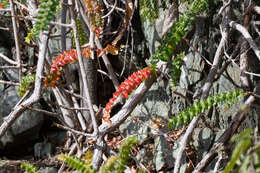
8	59
16	39
247	36
104	56
205	90
19	109
82	70
9	83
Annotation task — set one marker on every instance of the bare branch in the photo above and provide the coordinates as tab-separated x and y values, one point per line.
113	8
239	117
205	92
16	39
19	109
104	56
257	9
83	73
8	59
9	83
90	136
128	107
9	67
247	36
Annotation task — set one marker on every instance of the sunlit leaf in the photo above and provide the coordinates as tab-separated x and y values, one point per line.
112	49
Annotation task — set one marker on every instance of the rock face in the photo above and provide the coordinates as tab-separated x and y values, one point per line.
160	103
25	128
156	106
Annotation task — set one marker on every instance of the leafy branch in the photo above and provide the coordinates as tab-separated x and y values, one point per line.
201	106
113	164
175	35
29	168
243	142
47	10
26	81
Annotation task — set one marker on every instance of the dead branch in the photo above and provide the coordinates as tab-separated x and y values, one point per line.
247	36
19	109
205	92
229	132
82	70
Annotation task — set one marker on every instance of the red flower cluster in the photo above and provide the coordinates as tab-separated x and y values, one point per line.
70	56
126	88
63	59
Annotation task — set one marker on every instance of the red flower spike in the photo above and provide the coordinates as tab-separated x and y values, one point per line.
116	94
138	80
111	101
120	88
145	75
107	108
126	88
63	59
125	94
131	83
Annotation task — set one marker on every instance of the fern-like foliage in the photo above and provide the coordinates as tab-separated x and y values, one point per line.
117	163
176	70
175	35
47	11
178	30
83	36
3	3
29	168
81	165
201	106
113	164
243	142
250	161
126	88
125	153
26	81
149	9
246	153
109	165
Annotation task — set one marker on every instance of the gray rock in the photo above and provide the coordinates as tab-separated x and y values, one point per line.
42	150
49	170
163	153
151	36
27	126
12	74
223	114
132	128
175	155
157	103
203	139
